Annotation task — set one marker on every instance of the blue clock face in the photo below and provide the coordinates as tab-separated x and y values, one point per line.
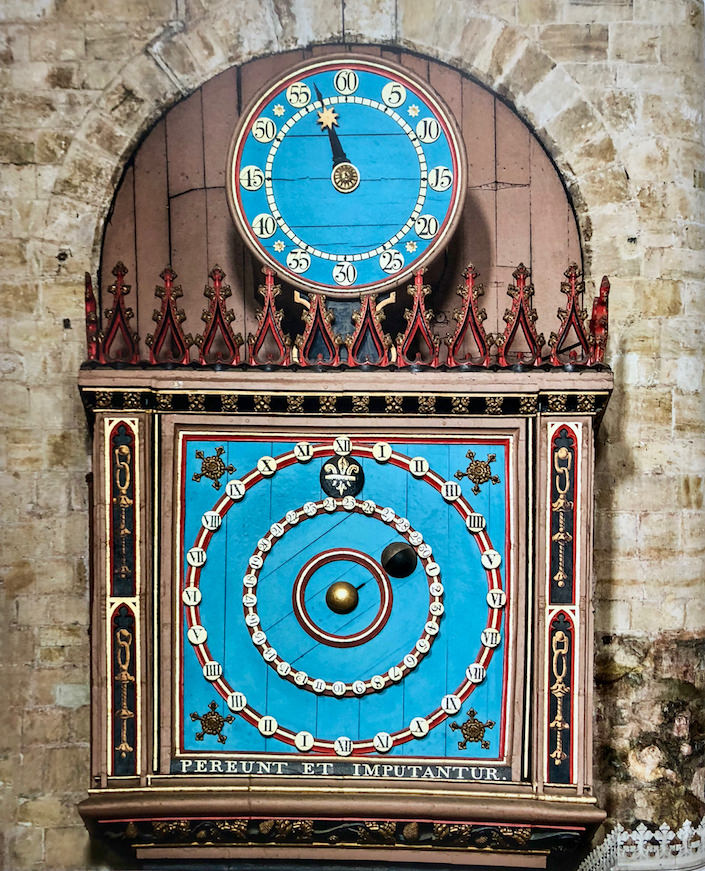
346	176
344	597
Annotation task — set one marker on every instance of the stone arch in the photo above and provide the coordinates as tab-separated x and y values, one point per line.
185	54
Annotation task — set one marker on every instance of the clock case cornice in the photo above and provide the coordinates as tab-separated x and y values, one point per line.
363	391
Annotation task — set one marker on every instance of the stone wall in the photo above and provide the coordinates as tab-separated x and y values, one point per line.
615	91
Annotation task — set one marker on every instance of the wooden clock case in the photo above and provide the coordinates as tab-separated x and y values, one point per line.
516	803
136	799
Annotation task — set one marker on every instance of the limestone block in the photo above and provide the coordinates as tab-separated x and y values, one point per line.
116	10
538	11
302	22
612	615
552	95
72	695
618	109
693	295
17	182
576	124
52	41
42	728
102	38
603	187
689	409
656	534
678	11
694	615
617	527
14	148
68	848
27	110
14	43
510	44
240	30
658	614
575	42
531	66
655	299
370	20
673	263
586	11
649	78
685	120
680	47
634	44
444	30
689	374
47	811
26	845
86	175
50	610
691	536
26	10
25	576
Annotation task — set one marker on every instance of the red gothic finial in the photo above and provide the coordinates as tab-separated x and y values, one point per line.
118	343
418	320
92	333
319	344
218	334
168	344
368	336
469	319
269	329
570	316
599	323
521	314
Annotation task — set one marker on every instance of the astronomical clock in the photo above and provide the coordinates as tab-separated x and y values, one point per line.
342	585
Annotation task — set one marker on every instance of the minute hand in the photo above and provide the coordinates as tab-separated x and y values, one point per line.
336	147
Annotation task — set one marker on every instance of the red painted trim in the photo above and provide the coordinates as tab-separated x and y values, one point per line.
327	557
363	447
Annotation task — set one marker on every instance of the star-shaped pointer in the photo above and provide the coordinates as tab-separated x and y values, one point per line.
327	118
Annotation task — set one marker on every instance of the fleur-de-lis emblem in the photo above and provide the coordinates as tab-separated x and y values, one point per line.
342	476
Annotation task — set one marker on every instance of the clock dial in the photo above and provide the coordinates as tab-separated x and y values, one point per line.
346	625
346	176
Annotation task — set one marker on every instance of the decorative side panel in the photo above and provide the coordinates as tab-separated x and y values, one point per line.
564	635
561	726
562	517
123	594
123	519
124	690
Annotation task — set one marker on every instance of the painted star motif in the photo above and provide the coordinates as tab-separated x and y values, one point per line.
278	110
279	246
327	118
411	247
414	110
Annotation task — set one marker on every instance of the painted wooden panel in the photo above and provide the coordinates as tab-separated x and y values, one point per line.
119	241
151	220
256	567
220	114
189	253
184	143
